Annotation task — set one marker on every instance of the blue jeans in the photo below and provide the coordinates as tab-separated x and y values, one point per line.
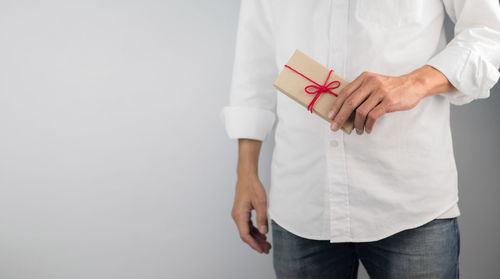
428	251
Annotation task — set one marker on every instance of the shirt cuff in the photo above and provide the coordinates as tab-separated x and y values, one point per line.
472	76
247	122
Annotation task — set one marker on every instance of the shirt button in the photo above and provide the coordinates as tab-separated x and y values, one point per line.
334	143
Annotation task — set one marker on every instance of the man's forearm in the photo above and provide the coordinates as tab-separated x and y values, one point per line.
248	156
431	80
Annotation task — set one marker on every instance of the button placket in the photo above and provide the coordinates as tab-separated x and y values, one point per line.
334	143
338	188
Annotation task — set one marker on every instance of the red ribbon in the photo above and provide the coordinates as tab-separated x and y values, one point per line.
318	88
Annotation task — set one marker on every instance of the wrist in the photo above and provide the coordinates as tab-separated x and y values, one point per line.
429	81
248	157
247	171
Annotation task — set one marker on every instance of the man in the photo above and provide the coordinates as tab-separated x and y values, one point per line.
386	195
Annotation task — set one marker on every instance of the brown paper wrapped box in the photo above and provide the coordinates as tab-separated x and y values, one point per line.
293	85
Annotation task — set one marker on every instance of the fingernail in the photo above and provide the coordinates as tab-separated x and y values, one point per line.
263	229
368	131
358	131
330	114
335	126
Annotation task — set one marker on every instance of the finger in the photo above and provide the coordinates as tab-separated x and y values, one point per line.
255	232
261	209
261	239
265	245
362	111
244	229
344	93
350	104
376	113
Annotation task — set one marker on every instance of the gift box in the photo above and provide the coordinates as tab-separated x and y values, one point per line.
312	85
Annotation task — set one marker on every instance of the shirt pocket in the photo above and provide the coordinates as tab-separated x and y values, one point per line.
388	13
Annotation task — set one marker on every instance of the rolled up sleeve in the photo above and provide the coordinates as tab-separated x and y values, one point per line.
471	59
251	109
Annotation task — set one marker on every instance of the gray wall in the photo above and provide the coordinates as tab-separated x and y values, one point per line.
114	163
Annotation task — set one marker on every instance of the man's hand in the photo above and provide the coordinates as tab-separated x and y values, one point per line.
250	194
371	95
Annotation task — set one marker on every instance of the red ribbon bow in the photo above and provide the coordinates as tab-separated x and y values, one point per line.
318	88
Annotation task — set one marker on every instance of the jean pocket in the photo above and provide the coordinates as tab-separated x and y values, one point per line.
388	13
276	227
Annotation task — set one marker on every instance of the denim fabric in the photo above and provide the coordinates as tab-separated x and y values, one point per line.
429	251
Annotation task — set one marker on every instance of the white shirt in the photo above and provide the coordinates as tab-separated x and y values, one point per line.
351	188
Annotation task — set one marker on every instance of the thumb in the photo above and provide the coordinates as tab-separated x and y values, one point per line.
261	210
